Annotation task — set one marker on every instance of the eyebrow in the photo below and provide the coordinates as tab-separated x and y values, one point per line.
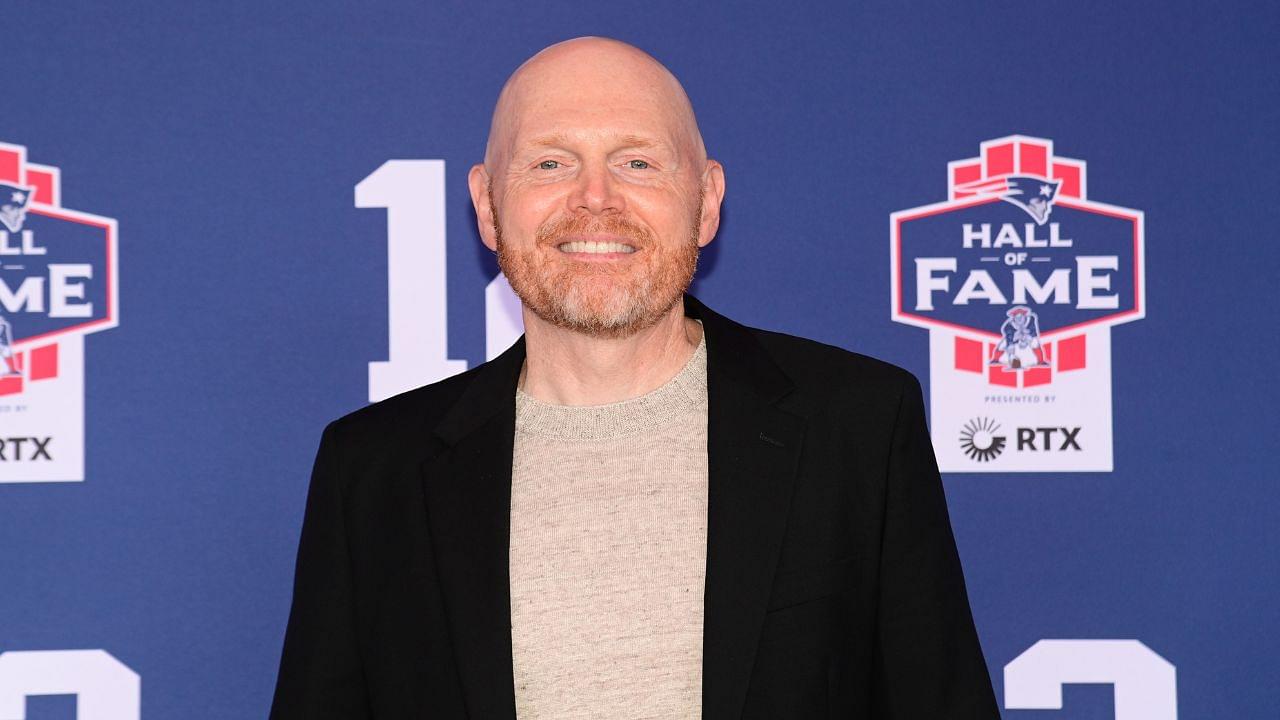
639	142
549	140
627	141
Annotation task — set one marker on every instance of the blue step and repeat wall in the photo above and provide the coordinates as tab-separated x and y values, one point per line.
224	224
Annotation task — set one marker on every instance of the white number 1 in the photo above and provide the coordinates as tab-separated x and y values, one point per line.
412	191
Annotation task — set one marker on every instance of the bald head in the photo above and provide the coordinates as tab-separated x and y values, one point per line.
594	80
596	192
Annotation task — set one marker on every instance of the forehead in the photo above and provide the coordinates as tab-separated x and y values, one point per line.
594	102
593	115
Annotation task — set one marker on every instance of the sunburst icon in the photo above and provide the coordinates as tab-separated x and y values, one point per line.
979	440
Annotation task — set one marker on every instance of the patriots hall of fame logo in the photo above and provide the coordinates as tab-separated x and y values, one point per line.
58	283
1018	277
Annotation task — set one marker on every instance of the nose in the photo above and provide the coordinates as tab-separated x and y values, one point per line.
596	191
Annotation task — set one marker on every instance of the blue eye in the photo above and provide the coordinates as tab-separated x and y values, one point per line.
638	165
548	165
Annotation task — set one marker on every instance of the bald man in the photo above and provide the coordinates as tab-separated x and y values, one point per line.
642	509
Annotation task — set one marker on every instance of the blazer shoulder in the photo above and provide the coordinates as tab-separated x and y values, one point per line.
824	368
414	411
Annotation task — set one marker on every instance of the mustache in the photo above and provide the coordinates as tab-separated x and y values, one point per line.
554	232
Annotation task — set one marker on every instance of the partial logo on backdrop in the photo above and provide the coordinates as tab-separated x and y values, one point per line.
58	283
1018	277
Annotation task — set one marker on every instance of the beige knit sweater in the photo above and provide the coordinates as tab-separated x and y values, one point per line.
608	554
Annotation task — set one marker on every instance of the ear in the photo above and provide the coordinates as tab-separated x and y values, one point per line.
712	195
478	181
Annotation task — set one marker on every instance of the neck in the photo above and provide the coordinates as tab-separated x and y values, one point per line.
565	367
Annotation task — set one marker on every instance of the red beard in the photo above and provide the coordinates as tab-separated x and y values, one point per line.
602	299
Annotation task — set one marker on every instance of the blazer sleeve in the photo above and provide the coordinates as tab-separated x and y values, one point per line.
928	661
320	671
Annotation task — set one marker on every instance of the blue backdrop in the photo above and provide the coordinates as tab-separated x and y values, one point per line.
226	138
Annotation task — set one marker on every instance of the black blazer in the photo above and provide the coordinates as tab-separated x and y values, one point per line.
833	587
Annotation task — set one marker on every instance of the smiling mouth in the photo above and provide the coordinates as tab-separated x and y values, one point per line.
595	248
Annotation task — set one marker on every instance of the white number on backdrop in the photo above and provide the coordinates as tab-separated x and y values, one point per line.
413	193
105	688
1145	687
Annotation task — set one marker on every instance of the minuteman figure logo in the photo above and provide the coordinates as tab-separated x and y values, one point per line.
10	366
1018	277
58	283
1019	340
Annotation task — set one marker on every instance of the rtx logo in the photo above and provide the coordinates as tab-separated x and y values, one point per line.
982	441
16	449
1049	439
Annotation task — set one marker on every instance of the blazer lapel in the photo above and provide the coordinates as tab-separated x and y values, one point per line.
468	496
752	449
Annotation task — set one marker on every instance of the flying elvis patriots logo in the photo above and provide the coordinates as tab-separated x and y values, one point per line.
58	283
1033	194
13	205
1018	276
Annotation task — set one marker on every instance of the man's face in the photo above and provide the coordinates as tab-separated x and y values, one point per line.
596	201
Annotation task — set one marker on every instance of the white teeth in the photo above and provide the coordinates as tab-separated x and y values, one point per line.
595	247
